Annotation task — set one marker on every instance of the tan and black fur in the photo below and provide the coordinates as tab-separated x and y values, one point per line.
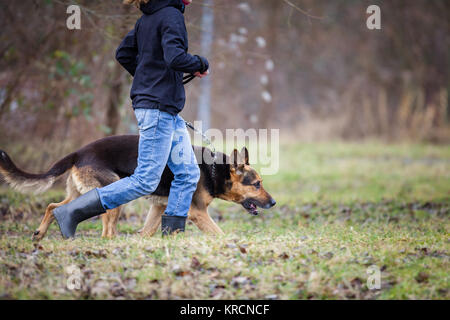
109	159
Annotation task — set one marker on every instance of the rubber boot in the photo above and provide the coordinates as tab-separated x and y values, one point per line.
172	224
70	215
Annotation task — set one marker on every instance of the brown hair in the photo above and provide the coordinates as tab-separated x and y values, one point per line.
137	3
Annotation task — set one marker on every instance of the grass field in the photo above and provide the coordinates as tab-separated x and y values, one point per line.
341	208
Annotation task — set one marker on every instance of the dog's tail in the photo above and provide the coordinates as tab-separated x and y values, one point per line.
28	182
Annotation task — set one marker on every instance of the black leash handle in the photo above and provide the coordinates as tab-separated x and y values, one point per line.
189	77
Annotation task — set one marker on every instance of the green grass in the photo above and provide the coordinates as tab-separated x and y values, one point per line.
341	208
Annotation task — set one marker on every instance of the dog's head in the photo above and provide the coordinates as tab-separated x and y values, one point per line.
245	185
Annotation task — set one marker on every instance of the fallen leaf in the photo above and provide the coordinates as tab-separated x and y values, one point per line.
356	283
184	273
284	256
38	246
117	290
422	277
149	249
328	255
195	264
96	253
238	281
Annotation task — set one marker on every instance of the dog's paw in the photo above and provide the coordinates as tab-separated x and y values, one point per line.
37	236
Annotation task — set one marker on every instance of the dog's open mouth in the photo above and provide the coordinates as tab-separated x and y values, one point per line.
251	207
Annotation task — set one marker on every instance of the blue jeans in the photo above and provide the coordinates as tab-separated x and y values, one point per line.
163	139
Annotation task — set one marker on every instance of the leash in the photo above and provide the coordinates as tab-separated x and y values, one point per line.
204	137
188	78
213	151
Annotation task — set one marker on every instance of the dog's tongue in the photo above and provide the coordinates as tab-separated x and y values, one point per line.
253	210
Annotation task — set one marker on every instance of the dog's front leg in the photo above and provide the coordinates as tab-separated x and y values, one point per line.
201	218
47	220
153	220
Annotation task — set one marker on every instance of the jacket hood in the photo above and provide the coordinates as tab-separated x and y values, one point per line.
154	5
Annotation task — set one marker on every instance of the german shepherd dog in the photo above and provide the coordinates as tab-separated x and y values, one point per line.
109	159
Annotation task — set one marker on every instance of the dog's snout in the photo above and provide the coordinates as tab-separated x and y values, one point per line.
271	203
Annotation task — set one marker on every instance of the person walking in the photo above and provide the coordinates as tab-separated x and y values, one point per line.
156	54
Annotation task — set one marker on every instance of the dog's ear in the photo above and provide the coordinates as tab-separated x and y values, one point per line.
236	165
234	157
239	158
244	156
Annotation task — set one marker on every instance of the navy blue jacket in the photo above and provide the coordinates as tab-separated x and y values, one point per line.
155	54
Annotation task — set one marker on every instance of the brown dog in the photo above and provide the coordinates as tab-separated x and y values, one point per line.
109	159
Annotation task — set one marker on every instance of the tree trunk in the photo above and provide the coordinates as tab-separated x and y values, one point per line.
204	106
112	112
267	108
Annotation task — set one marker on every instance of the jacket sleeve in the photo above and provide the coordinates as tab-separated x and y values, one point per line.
173	33
127	52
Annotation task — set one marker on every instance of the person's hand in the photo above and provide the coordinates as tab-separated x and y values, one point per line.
201	75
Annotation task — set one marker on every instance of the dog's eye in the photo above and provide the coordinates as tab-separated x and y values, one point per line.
257	184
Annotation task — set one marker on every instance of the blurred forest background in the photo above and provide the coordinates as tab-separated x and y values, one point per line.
309	67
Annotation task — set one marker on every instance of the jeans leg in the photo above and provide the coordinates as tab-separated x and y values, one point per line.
183	164
156	131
